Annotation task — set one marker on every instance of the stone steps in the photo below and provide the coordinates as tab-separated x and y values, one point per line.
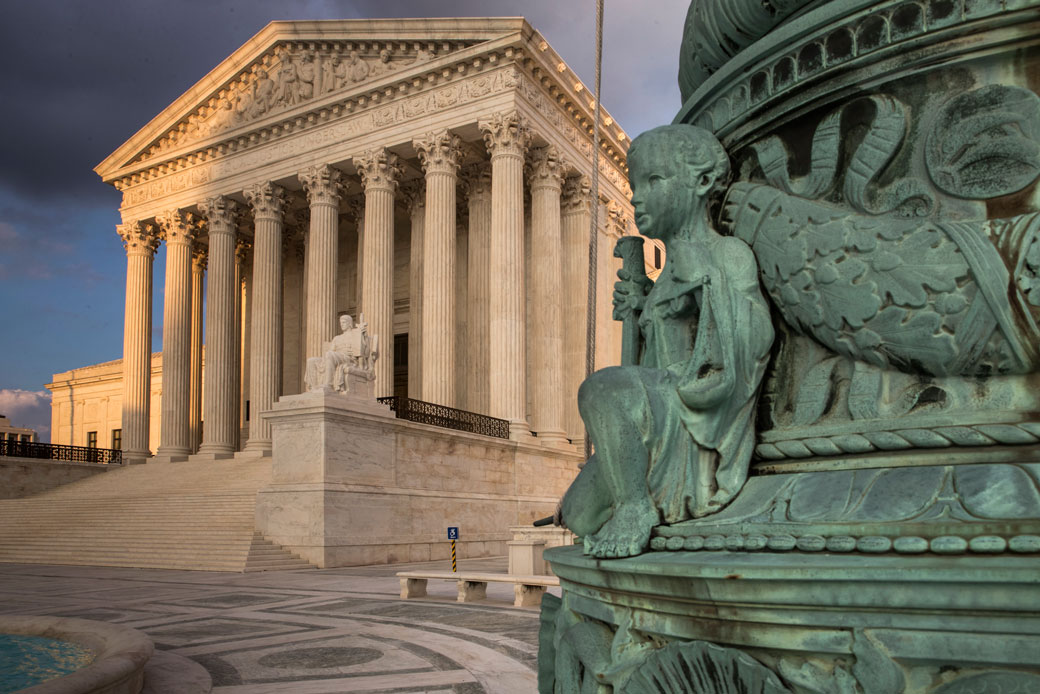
190	515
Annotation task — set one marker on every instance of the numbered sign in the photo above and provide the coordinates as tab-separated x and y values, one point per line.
453	532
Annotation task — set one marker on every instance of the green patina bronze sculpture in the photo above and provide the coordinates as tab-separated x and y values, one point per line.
852	507
674	431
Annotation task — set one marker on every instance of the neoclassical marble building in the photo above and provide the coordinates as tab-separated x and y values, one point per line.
430	174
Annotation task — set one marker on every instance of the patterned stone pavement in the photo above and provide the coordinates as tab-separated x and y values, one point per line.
306	632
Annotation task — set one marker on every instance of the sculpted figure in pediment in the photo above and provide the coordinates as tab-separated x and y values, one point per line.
288	83
330	67
306	74
356	68
263	96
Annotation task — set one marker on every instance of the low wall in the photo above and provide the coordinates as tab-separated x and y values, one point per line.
21	477
352	485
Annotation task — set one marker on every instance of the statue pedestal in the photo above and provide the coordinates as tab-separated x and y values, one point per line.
320	441
822	622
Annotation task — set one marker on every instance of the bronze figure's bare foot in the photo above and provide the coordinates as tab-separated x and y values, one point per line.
626	534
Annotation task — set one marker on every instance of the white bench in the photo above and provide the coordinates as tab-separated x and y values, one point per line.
527	590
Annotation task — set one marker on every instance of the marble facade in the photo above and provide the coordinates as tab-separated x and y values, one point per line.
324	168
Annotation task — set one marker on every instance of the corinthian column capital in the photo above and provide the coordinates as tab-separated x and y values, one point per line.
178	226
577	194
221	213
505	133
243	250
267	200
199	259
476	181
138	238
414	195
323	184
379	169
439	152
546	168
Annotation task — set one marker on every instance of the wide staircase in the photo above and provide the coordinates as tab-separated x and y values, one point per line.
190	515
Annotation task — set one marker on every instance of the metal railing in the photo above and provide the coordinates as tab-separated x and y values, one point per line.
446	417
50	451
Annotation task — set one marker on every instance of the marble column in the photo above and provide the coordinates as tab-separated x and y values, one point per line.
507	138
293	232
219	436
324	187
198	276
478	284
546	330
439	154
379	173
357	213
463	366
178	229
415	196
265	373
140	242
575	222
244	289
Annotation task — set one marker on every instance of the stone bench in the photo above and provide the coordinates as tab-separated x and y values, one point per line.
527	590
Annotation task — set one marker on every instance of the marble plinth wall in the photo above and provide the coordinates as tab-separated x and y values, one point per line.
352	485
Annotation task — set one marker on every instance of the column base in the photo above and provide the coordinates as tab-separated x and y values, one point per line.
260	449
213	453
136	457
554	438
520	430
171	455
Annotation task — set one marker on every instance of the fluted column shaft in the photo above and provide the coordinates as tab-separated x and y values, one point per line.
140	242
459	299
478	281
323	187
379	173
220	409
417	215
546	339
174	432
244	289
575	222
439	154
506	138
265	373
198	278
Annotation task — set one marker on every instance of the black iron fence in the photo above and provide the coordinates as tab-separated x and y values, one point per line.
446	417
50	451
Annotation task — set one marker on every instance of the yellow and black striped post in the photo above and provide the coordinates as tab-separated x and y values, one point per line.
453	534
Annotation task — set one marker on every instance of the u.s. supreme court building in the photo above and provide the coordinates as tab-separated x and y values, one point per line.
432	175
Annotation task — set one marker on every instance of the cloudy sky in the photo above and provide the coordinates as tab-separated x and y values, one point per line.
82	77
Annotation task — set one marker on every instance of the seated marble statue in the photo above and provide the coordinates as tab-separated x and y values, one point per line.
352	351
674	431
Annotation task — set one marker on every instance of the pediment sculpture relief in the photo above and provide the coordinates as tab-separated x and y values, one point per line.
299	76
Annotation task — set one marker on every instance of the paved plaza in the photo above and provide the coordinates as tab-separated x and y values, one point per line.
306	632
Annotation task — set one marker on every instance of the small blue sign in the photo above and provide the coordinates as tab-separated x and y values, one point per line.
453	532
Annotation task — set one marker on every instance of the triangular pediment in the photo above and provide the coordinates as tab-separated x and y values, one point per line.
297	67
